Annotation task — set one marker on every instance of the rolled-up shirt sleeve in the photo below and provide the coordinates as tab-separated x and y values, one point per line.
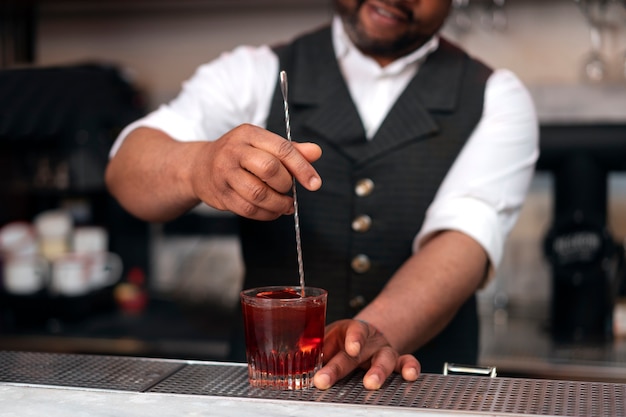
233	89
483	192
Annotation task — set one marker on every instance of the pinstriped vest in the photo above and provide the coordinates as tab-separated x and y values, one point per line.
406	161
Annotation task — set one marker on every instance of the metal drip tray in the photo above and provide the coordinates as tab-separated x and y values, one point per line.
430	391
85	371
452	393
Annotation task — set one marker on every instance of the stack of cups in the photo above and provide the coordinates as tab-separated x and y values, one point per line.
79	257
54	254
24	272
90	243
54	229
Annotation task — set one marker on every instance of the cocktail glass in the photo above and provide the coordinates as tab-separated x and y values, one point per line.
284	333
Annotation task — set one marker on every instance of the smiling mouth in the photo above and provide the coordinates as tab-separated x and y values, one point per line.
385	13
390	11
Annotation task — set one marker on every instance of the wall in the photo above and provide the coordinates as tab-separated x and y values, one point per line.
544	42
160	44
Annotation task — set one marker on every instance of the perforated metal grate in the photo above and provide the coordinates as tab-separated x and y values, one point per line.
457	393
99	372
430	391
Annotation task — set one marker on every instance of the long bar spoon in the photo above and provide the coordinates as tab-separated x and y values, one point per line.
296	217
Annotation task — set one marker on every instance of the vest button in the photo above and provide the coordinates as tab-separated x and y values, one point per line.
361	223
357	302
361	263
364	187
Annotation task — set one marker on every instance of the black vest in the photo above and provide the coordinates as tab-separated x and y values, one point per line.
406	162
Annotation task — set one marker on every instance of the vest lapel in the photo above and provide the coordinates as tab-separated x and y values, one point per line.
328	110
333	116
433	89
407	121
325	103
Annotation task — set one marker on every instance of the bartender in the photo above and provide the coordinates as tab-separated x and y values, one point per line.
412	161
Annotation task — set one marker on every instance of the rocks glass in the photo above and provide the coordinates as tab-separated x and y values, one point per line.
284	335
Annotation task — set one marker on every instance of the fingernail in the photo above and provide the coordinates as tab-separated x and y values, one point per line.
321	381
409	374
372	382
355	349
315	183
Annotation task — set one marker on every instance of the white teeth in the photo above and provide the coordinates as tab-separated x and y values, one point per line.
385	13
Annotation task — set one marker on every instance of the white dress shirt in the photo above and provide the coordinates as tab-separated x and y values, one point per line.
482	193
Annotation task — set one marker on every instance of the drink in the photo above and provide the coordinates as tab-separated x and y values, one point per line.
284	335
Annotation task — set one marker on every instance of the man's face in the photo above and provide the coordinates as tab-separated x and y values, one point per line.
388	29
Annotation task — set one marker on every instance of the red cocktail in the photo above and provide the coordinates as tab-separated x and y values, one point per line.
284	335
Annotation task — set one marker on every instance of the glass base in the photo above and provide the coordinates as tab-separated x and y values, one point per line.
281	380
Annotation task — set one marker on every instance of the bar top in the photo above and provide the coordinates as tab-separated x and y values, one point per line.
60	384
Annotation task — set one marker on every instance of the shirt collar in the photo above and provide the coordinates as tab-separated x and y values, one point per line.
344	47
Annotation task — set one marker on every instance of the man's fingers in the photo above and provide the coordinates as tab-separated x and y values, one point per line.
382	365
336	368
251	198
385	362
295	157
356	343
299	166
361	340
344	353
311	151
409	367
356	336
277	170
267	168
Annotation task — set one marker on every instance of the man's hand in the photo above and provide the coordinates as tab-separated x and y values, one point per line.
349	344
249	171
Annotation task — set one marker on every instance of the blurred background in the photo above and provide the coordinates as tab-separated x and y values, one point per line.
74	72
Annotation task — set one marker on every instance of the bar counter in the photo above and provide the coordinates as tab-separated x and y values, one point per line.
52	384
520	346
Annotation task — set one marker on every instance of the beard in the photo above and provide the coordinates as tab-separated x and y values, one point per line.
390	48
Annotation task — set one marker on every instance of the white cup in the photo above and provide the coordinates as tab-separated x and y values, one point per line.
54	229
90	239
76	274
18	238
24	274
105	269
69	275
